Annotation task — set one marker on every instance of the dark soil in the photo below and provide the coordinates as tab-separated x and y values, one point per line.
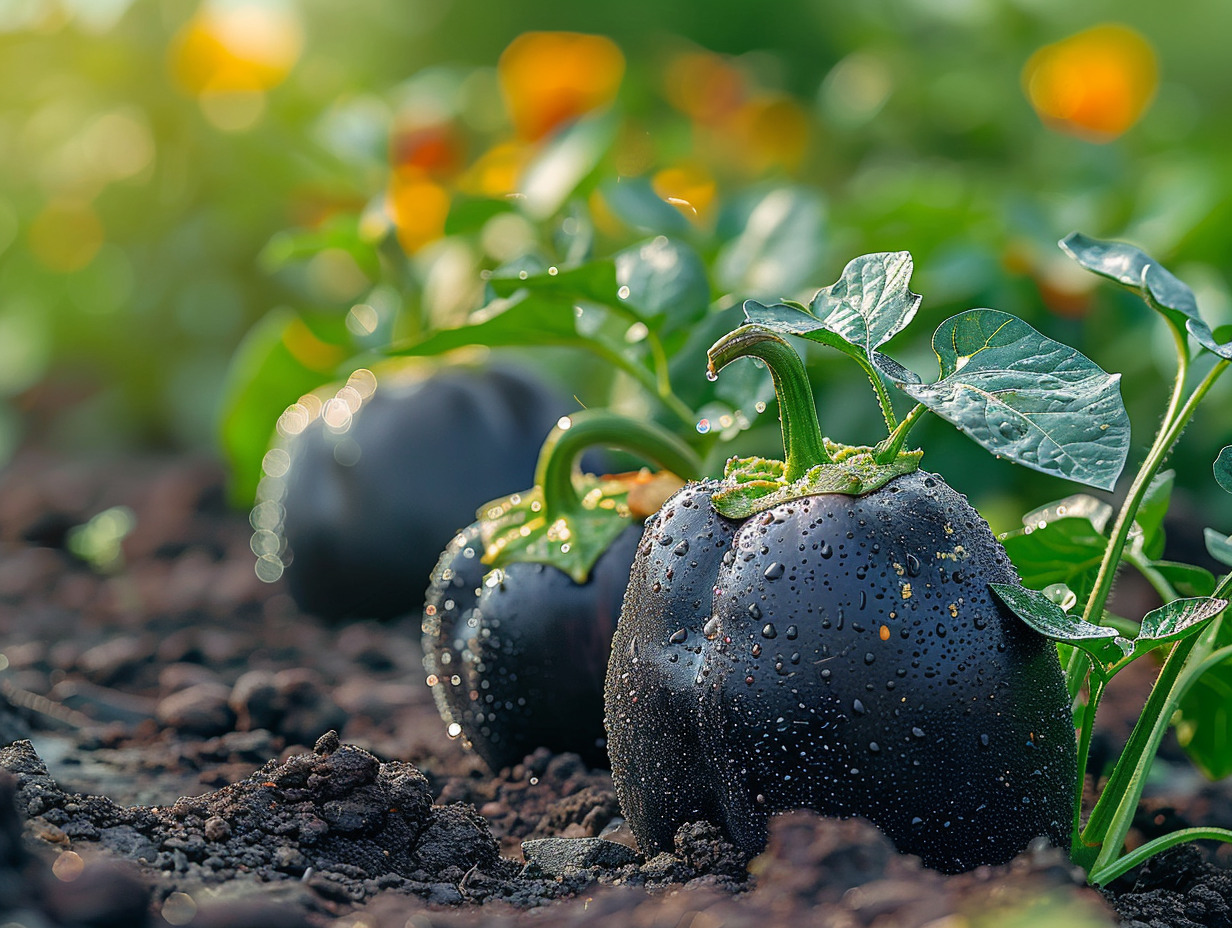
179	745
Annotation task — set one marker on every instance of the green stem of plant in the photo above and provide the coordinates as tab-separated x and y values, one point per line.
1170	430
1076	672
1086	729
652	383
1158	582
1125	785
1123	865
802	442
1113	813
888	450
883	395
574	434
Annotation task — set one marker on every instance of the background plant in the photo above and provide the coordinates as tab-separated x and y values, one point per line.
909	125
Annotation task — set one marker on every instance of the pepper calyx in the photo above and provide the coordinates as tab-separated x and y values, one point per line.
753	485
568	519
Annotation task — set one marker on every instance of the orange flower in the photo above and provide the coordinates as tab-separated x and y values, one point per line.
550	78
1095	84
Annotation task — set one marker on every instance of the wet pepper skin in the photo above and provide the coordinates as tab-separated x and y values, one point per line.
843	654
516	656
365	535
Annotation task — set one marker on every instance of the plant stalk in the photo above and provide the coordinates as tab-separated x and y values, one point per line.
802	443
574	434
1170	430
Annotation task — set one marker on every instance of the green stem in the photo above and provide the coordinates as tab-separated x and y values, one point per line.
1170	430
1105	875
651	382
883	395
1086	729
582	430
1113	814
888	450
1113	840
802	442
1113	810
1159	583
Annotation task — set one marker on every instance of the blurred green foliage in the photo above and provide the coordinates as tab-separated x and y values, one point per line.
176	173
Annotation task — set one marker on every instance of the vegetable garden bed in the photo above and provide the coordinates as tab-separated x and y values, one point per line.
182	675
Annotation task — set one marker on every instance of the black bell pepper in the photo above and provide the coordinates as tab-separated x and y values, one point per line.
519	618
836	648
368	509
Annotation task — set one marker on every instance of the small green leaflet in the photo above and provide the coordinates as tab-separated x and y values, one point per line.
1026	397
1111	650
564	163
1204	729
1223	468
1219	546
865	308
1186	579
1136	270
636	204
1063	542
1176	620
1105	645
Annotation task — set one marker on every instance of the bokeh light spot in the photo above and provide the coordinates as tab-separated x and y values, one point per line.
65	236
1095	84
236	47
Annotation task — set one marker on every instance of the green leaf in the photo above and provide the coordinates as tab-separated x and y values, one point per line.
634	202
528	318
1148	532
1223	468
1062	542
663	279
1219	546
656	280
280	359
864	309
1186	579
1136	270
778	247
594	281
1176	620
1105	645
568	159
1204	728
1026	397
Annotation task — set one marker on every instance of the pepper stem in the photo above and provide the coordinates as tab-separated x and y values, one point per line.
802	443
575	433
